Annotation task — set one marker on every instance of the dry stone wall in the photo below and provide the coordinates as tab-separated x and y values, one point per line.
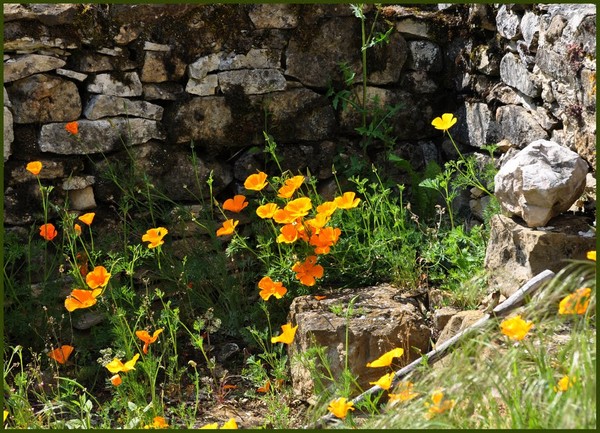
159	78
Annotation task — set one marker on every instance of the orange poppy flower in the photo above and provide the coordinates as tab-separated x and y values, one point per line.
235	204
97	278
256	182
299	207
439	405
308	270
325	239
282	216
34	167
265	388
290	233
158	422
87	218
271	288
81	299
147	338
327	208
77	229
290	186
515	327
267	210
227	228
72	128
320	297
340	407
318	222
116	380
347	200
48	232
575	303
155	237
61	355
287	336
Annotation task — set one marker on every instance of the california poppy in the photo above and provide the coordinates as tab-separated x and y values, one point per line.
72	128
564	384
439	405
158	422
287	336
79	298
147	338
308	270
256	182
97	278
77	229
227	228
575	303
235	204
87	218
325	239
340	407
515	328
155	237
61	355
271	288
282	216
403	393
384	381
445	122
48	231
116	366
290	186
347	200
34	167
230	425
386	359
267	210
299	207
289	233
116	380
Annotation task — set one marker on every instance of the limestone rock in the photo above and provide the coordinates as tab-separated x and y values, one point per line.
6	99
414	28
424	56
256	58
100	106
518	126
160	66
95	136
541	181
382	320
441	317
515	74
49	14
205	119
8	133
91	62
202	66
30	64
82	199
530	29
77	182
481	127
72	74
44	98
128	85
252	81
313	55
459	322
206	86
485	60
516	253
508	23
162	91
274	16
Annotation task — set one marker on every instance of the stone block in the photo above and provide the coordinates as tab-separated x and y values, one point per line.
100	106
128	85
30	64
514	73
9	135
82	199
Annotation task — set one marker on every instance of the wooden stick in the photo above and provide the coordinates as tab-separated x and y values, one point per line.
513	301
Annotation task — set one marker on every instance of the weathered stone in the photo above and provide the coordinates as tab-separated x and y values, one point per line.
6	99
127	33
442	316
516	253
515	74
256	58
252	81
485	60
9	135
49	14
459	322
44	98
100	106
300	114
415	28
541	181
393	55
530	29
382	320
313	55
555	29
481	16
207	119
88	319
128	85
424	56
201	67
206	86
163	91
481	127
78	182
160	67
52	169
418	82
30	64
151	46
82	199
508	23
98	135
274	16
518	126
71	74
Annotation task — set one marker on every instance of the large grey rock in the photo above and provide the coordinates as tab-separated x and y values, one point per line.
206	86
49	14
162	91
424	56
203	65
93	62
161	66
256	58
44	98
485	60
514	73
383	319
518	126
314	54
480	125
205	119
251	81
541	181
274	16
30	64
516	253
8	133
100	106
98	135
128	84
508	23
530	29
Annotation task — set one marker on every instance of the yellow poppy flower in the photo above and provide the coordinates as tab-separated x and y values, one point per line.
386	359
256	182
34	167
445	122
287	336
340	407
267	210
97	278
575	303
155	236
230	425
116	366
439	405
227	228
385	381
515	328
